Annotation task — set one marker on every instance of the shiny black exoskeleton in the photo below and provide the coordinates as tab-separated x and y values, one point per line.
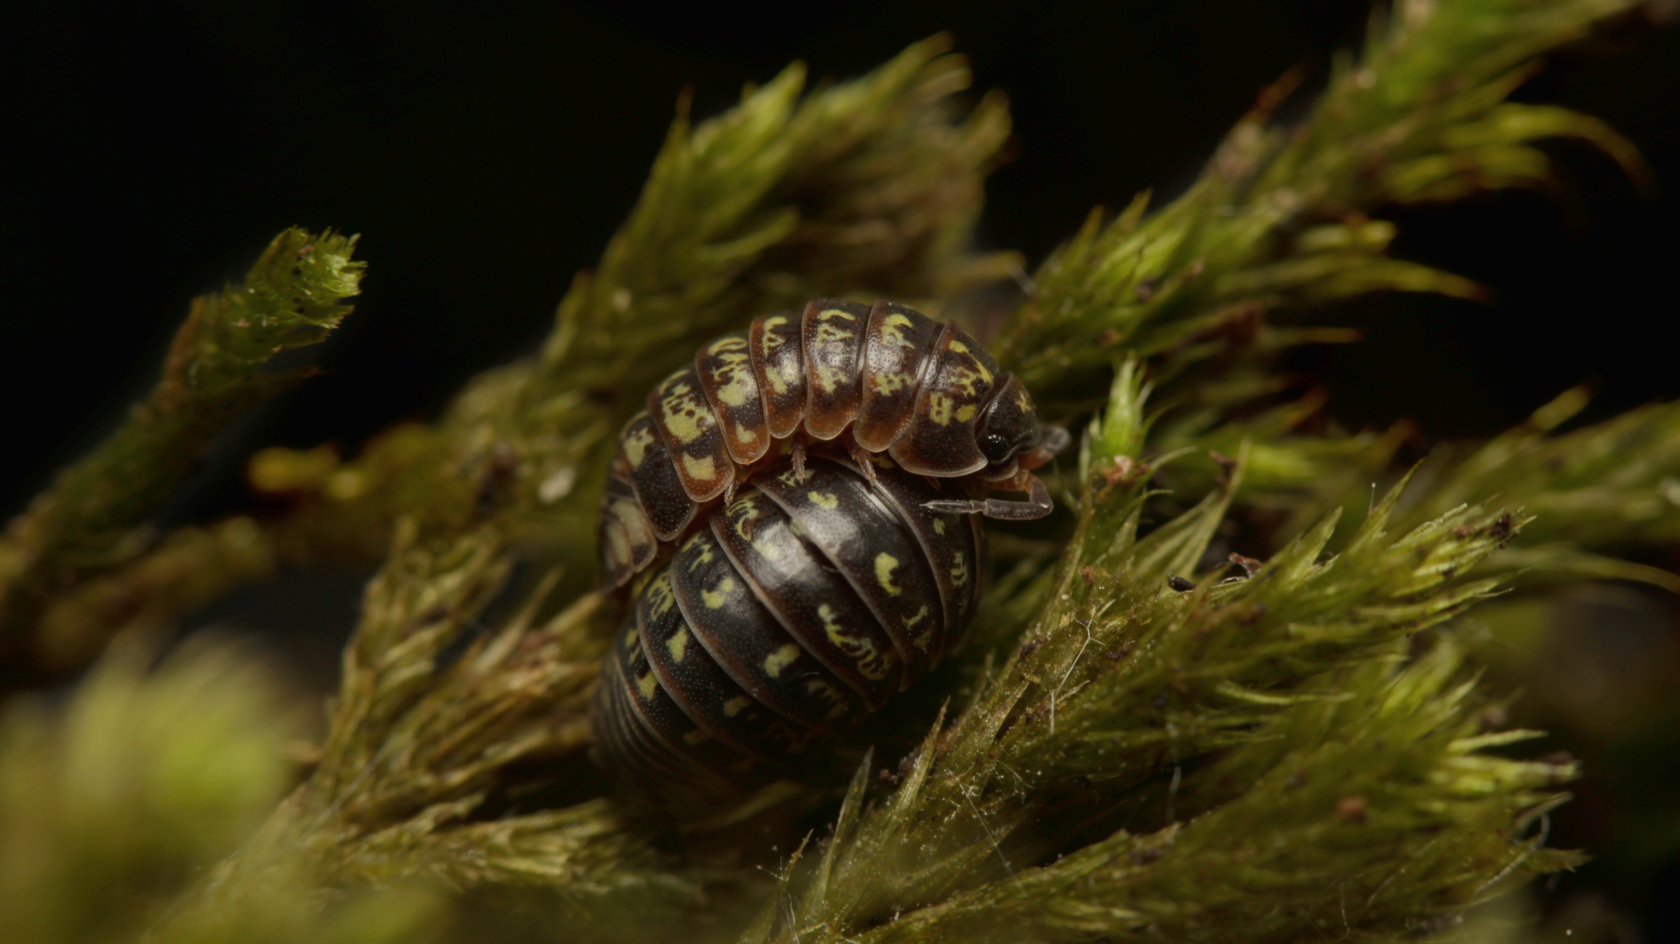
790	614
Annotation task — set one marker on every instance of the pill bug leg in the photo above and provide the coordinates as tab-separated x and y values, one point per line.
865	462
1037	505
797	453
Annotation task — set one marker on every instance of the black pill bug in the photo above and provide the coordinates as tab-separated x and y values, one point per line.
810	490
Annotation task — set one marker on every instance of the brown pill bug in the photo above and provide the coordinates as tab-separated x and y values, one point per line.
783	619
868	380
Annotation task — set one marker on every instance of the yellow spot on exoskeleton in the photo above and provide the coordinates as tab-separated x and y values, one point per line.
827	335
700	549
965	381
921	639
631	638
827	378
787	377
685	414
716	598
961	348
745	435
732	372
618	546
704	469
887	384
658	595
871	662
776	661
647	685
837	703
824	499
939	409
787	374
884	564
746	528
939	526
734	393
734	706
630	515
965	413
744	514
959	571
636	445
696	736
677	645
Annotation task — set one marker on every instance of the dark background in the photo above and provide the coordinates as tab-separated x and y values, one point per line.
486	155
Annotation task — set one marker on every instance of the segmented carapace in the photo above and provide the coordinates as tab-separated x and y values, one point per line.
881	379
783	619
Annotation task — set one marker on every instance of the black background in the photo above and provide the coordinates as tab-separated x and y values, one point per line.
486	153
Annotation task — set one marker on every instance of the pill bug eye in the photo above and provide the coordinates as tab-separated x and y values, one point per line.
996	447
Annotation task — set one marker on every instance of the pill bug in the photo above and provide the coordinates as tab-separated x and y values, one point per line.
790	614
867	379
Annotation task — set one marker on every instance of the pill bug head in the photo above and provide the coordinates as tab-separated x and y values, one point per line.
1008	430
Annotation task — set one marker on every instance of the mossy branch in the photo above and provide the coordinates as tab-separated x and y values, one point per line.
1595	491
1278	218
1616	483
1382	818
1124	677
226	357
406	786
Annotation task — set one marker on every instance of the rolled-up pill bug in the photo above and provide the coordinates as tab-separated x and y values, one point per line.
792	613
867	379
